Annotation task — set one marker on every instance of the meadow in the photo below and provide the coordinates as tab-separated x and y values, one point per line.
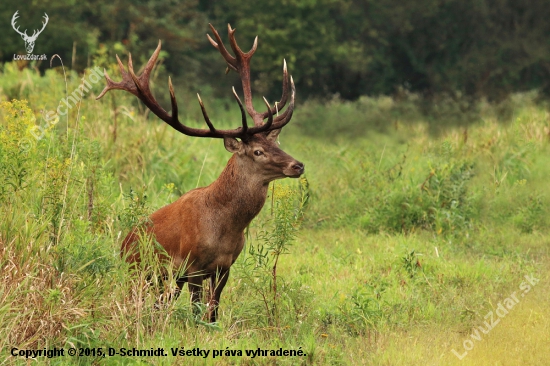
414	222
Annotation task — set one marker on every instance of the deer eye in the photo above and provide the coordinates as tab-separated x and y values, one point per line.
258	152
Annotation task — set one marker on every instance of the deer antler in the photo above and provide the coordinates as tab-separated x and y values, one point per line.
241	64
139	86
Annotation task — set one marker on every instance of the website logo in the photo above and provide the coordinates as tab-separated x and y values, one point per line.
29	40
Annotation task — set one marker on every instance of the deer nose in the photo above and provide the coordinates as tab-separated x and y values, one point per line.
298	168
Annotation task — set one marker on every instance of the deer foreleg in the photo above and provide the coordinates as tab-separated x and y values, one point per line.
217	283
195	288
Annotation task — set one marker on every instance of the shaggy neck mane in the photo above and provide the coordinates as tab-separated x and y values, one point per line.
240	192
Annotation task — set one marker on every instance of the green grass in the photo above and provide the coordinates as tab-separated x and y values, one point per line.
415	228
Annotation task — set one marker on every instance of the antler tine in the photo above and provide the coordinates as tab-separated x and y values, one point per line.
233	42
133	75
205	115
243	113
281	104
269	122
142	82
268	126
130	82
125	84
284	118
120	66
231	61
173	102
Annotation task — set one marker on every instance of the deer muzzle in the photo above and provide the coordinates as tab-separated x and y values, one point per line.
295	169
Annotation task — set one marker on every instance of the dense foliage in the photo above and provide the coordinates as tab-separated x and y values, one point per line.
334	47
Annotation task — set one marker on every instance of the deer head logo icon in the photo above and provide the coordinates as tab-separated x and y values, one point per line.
29	40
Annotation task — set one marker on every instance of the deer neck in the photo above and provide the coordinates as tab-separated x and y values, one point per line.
240	192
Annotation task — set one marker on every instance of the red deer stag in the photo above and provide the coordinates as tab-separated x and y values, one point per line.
204	228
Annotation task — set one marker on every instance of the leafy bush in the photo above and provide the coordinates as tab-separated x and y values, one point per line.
532	215
440	203
16	147
273	239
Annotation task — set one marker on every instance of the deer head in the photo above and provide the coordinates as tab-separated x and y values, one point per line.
254	145
29	40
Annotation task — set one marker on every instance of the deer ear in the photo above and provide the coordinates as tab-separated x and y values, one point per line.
232	144
273	134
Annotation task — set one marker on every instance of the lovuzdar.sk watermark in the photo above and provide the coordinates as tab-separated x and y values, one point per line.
30	57
492	318
29	40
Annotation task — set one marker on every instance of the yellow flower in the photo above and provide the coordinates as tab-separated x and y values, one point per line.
17	122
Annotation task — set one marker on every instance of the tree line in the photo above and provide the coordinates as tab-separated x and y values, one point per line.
348	48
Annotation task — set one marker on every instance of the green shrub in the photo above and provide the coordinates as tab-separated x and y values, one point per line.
532	215
441	203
